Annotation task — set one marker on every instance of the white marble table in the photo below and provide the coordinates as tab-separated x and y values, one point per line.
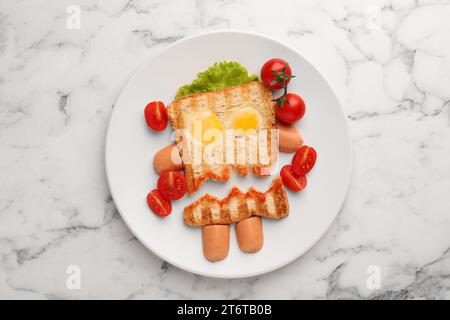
389	62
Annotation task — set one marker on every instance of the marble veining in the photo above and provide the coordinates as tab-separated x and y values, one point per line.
389	61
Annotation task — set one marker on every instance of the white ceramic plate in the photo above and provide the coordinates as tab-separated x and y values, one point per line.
130	147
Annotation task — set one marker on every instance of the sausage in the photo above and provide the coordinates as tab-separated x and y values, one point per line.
290	138
216	241
249	234
167	159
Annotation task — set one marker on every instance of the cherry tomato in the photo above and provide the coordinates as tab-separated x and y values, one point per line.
290	109
304	160
160	206
291	180
276	74
156	115
172	185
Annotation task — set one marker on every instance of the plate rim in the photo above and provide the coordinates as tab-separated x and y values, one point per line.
107	143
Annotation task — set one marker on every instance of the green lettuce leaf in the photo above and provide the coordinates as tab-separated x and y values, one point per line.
220	75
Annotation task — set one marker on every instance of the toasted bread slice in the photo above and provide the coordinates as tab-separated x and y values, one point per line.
238	206
225	105
211	210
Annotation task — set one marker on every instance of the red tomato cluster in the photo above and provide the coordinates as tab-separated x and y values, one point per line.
294	174
289	108
276	74
171	184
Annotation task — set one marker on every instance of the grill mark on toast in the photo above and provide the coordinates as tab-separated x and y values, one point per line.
225	214
279	197
283	208
242	207
261	208
206	215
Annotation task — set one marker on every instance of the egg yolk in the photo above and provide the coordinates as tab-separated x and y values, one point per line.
202	123
246	121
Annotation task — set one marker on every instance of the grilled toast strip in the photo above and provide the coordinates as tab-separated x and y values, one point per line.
238	206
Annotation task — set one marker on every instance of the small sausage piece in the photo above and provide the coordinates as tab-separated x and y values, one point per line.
216	241
167	159
249	234
290	138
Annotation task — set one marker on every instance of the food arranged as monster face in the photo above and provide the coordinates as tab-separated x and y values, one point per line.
228	121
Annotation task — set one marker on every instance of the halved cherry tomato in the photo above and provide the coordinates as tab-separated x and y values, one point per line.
172	185
304	160
291	180
290	108
156	115
160	206
276	74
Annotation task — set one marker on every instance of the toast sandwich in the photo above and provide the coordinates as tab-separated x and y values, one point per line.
247	110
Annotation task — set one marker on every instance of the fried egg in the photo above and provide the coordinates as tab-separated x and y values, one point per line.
244	121
204	125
